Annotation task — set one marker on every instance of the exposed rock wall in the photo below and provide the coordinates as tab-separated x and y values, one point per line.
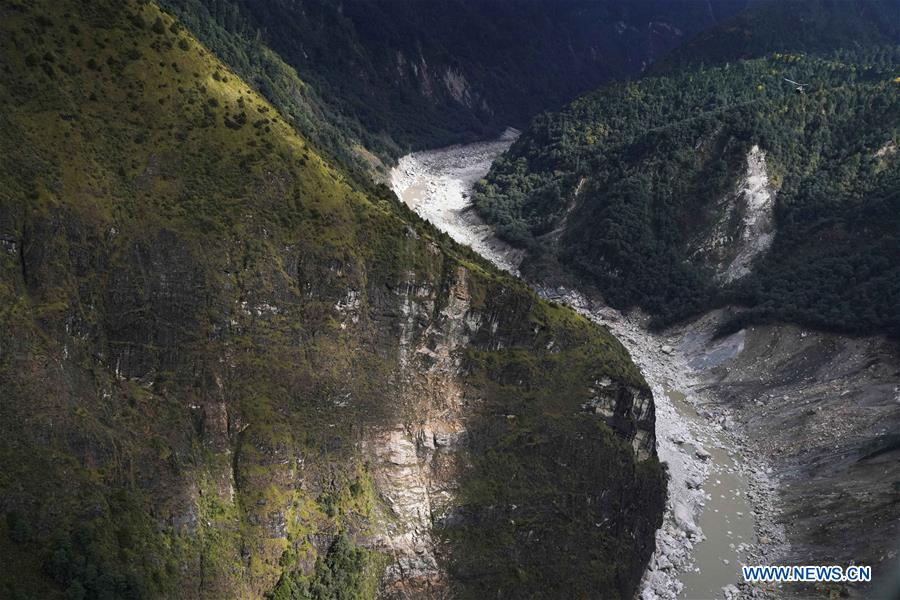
386	385
229	372
745	227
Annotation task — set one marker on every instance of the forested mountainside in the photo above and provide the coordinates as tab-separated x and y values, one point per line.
797	26
227	371
340	137
699	186
391	76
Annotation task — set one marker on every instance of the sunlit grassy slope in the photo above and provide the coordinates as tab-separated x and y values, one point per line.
183	402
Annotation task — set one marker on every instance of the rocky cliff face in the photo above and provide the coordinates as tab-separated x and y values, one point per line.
227	372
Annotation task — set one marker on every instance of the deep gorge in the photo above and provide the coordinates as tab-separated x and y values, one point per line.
264	335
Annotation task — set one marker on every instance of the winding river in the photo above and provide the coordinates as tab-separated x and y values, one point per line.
708	528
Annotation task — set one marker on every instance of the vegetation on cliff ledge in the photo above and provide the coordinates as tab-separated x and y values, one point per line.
201	323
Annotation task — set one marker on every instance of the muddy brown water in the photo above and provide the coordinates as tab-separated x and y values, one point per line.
726	519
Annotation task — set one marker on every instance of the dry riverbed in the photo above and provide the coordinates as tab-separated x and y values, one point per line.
437	185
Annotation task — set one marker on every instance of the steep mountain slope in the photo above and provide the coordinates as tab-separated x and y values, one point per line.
665	193
226	371
221	28
713	182
815	27
397	75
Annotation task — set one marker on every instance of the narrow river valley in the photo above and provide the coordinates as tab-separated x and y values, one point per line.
640	349
715	499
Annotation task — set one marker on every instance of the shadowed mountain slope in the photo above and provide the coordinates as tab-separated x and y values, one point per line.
228	371
699	186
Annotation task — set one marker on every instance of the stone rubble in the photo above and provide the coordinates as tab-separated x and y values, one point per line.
450	175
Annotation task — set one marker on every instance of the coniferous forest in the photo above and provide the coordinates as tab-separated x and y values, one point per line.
650	160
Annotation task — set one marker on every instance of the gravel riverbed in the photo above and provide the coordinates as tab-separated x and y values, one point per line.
721	503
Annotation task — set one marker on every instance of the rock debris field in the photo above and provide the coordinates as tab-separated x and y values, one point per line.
720	509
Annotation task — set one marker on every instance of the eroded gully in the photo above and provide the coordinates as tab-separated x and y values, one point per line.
720	500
